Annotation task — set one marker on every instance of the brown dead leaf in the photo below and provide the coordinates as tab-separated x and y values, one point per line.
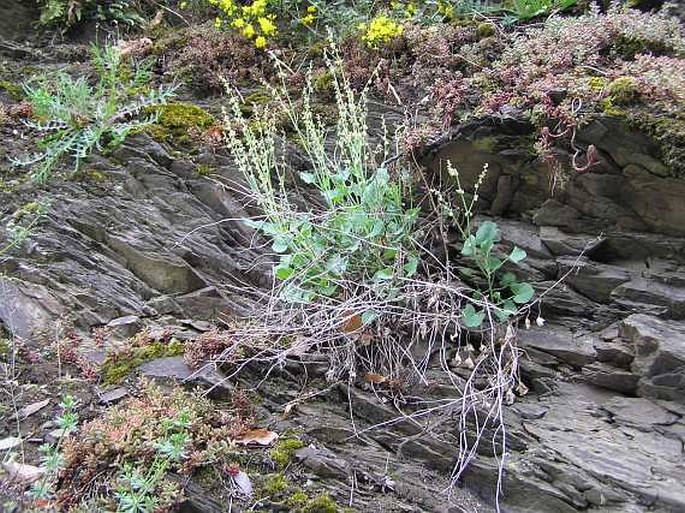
260	436
372	377
352	323
136	47
29	410
22	473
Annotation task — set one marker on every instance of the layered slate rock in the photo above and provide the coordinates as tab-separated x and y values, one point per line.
659	355
629	189
144	242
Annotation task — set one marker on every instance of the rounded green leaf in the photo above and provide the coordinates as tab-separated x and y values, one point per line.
383	274
471	317
517	254
283	273
523	292
280	245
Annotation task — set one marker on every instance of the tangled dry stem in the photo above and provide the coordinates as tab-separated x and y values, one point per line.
419	326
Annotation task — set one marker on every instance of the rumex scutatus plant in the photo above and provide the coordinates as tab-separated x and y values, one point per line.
356	281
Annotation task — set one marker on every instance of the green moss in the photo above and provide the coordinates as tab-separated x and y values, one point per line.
297	500
14	90
90	175
668	132
254	100
27	209
323	82
118	366
4	347
179	123
321	504
275	484
484	30
598	84
486	144
624	90
610	109
317	49
628	47
203	169
283	452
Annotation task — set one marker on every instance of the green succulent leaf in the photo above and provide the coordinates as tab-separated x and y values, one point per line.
508	279
523	292
280	245
471	317
487	233
411	266
284	272
385	274
517	254
369	316
469	247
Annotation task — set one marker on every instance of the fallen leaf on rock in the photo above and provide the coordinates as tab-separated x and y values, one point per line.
29	410
352	323
372	377
258	436
9	443
21	472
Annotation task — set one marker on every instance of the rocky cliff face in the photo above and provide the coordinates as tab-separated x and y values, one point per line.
604	430
147	237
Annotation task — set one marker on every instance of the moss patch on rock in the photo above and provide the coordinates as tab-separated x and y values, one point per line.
180	124
284	451
13	90
118	366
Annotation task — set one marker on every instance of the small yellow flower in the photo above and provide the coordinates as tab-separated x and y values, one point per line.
238	23
260	42
266	26
249	31
183	5
308	20
218	22
381	30
311	9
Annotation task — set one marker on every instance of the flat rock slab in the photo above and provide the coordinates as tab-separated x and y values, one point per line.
620	451
562	344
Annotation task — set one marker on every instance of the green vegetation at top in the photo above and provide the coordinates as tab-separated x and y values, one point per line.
64	14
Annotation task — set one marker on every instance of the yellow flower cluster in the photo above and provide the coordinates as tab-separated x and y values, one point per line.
253	21
309	18
446	9
381	30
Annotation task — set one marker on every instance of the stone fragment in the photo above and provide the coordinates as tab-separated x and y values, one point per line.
636	411
659	355
323	463
592	279
175	368
651	292
576	351
113	396
611	378
614	352
124	327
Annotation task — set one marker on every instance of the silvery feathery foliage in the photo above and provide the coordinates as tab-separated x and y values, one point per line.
76	117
